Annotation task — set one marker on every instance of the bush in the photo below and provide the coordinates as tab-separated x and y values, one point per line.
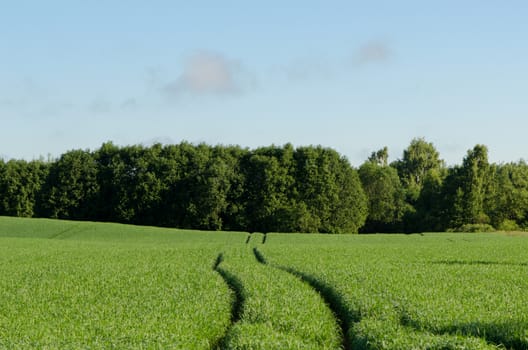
508	225
473	228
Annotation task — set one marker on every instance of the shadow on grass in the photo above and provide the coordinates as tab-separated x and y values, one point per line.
237	305
505	335
477	262
342	314
508	335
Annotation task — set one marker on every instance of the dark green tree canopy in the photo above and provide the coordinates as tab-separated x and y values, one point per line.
385	193
275	188
420	158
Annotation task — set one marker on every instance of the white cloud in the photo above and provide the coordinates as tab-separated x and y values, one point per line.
211	73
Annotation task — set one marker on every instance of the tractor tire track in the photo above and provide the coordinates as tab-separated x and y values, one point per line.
346	317
331	297
237	305
66	233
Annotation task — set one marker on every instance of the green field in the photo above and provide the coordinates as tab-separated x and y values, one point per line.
71	285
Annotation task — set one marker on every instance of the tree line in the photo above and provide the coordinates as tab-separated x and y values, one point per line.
419	193
269	189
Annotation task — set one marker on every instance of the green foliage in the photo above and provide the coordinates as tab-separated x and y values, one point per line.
380	157
130	187
508	225
467	188
349	211
329	193
473	228
20	183
200	193
385	195
310	189
475	177
71	188
269	189
429	214
422	173
507	200
419	159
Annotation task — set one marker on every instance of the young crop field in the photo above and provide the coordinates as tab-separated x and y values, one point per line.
66	285
436	291
70	285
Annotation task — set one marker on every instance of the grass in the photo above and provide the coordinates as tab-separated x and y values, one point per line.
437	291
72	285
88	285
278	311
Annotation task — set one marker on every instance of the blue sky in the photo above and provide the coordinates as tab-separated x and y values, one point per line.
351	75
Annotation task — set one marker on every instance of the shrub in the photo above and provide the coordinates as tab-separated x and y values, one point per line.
508	225
474	228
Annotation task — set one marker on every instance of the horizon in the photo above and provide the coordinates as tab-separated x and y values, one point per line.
50	157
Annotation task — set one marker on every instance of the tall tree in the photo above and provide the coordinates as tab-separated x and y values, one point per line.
429	211
20	185
380	157
386	197
112	177
71	188
349	212
467	187
328	191
201	187
419	158
234	213
269	185
206	186
507	200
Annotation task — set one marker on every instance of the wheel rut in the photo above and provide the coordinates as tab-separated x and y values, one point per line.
66	233
237	305
331	297
346	318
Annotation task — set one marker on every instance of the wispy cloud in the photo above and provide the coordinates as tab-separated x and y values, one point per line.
316	68
129	104
100	105
373	52
21	92
207	72
11	102
305	69
154	78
